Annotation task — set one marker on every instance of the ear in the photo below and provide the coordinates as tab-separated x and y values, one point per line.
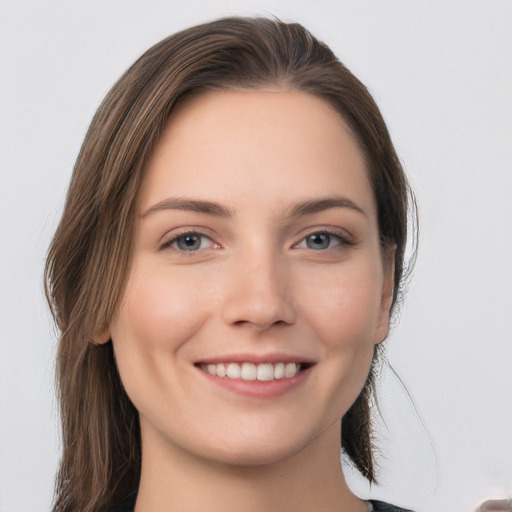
102	337
386	299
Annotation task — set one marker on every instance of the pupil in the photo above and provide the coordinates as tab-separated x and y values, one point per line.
319	241
188	242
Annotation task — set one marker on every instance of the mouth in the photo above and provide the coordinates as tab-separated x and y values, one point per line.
247	371
257	376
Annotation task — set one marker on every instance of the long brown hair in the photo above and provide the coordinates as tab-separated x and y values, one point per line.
89	258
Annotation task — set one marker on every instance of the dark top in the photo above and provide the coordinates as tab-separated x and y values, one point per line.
378	506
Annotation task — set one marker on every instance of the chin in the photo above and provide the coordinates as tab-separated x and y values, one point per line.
254	454
265	445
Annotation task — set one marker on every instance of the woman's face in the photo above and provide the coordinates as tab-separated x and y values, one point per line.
256	253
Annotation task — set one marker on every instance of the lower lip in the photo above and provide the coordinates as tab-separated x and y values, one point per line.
258	388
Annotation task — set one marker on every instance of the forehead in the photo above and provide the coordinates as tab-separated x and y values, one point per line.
274	144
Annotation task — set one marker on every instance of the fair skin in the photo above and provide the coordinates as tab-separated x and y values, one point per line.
256	242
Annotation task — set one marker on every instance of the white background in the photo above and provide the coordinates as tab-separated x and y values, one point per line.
441	72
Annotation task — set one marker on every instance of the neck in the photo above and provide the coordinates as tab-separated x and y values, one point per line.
175	480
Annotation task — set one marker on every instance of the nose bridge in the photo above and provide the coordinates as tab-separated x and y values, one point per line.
258	292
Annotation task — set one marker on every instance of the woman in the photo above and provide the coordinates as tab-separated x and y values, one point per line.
224	272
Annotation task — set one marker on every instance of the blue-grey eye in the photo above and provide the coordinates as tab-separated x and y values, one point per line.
321	241
189	242
318	241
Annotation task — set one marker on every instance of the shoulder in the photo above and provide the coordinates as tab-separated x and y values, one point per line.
380	506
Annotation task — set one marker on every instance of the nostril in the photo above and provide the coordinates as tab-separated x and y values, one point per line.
259	302
277	323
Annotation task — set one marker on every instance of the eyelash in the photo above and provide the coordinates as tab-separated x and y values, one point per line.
342	241
169	243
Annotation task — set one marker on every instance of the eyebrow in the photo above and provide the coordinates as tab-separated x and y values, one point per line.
299	209
191	205
325	203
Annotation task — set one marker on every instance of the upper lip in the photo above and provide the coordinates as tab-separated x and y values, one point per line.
256	359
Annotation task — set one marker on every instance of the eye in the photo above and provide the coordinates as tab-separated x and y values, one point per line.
190	242
321	241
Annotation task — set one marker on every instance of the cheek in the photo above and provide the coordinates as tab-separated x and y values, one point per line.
344	318
345	311
157	312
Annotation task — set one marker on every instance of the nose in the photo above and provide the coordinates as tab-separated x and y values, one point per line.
258	293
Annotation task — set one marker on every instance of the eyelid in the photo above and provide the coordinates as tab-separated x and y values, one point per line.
343	235
171	236
167	240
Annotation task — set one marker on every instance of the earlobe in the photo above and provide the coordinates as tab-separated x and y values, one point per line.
388	288
384	317
383	326
102	337
387	294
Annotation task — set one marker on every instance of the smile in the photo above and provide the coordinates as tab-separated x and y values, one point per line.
261	377
250	371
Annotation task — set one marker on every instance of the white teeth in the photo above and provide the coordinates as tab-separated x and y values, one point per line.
279	371
250	371
265	372
290	370
221	370
233	371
